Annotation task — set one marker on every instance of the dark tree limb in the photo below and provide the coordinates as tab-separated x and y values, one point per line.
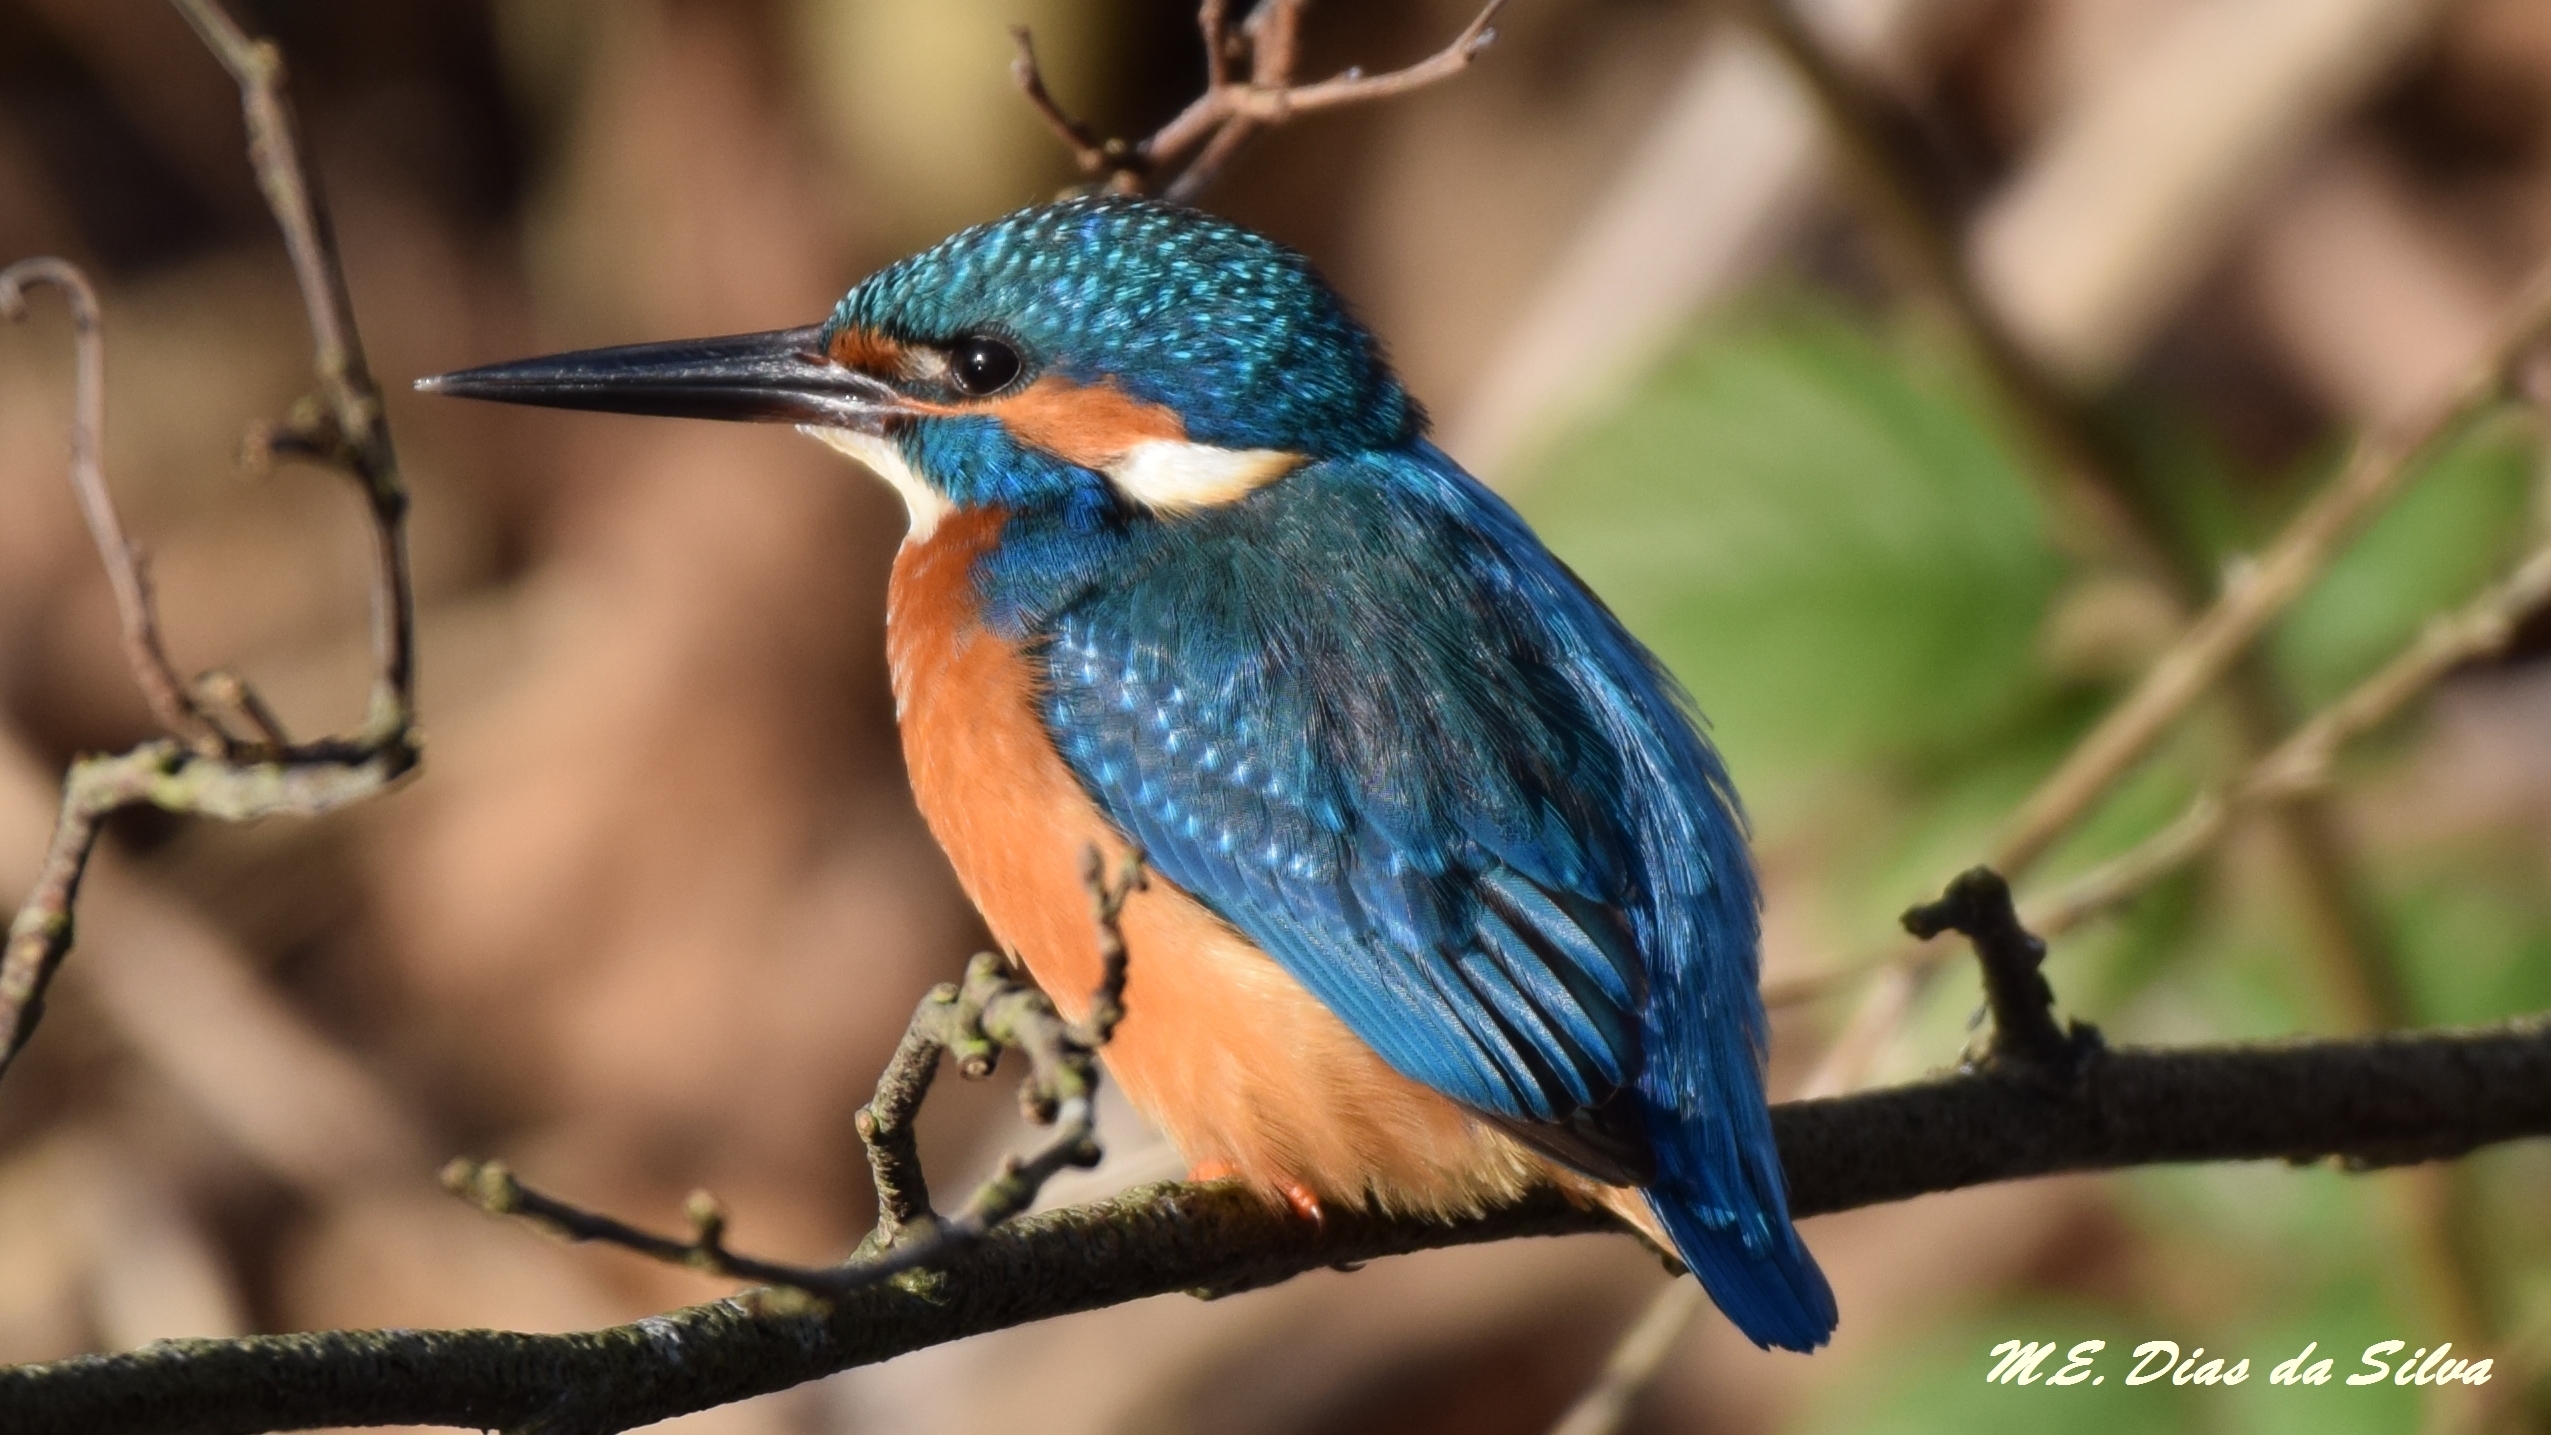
2368	1101
1218	122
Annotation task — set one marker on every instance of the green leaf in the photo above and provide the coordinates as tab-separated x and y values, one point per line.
2476	942
2458	526
1821	536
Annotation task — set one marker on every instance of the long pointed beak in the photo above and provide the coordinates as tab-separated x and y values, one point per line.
782	376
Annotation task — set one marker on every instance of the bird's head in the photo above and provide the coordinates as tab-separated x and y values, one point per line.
1099	353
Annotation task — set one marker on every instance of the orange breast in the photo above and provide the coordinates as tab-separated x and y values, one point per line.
1235	1061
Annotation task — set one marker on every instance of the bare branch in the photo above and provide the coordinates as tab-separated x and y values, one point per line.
1276	103
2255	592
205	769
1230	112
160	774
1209	23
344	423
2301	764
1233	135
1088	150
2367	1100
1635	1360
973	1023
1978	904
126	569
224	691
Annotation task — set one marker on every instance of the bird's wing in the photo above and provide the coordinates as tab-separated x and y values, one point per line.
1343	723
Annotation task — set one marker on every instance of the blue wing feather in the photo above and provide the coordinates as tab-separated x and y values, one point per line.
1377	728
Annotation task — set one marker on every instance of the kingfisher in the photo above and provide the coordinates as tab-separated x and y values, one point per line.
1451	893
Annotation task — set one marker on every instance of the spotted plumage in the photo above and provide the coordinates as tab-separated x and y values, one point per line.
1455	896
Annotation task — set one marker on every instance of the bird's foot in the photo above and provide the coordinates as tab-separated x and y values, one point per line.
1298	1198
1304	1204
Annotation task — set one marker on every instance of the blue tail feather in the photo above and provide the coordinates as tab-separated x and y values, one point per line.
1739	1241
1776	1296
1770	1286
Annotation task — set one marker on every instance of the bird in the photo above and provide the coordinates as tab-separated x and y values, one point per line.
1451	894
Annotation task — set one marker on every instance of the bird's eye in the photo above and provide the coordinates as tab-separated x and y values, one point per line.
982	364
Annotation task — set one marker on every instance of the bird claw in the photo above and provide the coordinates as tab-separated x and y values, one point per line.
1304	1204
1298	1198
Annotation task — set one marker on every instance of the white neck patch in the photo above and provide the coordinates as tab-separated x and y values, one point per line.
1166	475
1175	476
923	505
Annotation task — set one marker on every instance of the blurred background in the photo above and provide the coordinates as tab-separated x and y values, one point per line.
657	907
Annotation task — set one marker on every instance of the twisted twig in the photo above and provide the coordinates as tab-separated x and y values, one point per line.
127	572
2025	1033
1230	111
971	1022
203	767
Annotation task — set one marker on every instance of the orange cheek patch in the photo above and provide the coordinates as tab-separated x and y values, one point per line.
1090	425
868	351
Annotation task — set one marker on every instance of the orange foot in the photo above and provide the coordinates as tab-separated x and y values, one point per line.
1304	1204
1297	1197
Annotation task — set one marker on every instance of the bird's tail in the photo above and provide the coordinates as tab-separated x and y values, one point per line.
1769	1286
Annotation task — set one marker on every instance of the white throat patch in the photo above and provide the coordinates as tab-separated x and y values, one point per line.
1175	476
922	504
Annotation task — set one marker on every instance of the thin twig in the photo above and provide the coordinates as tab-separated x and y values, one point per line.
1229	112
2255	592
1209	163
126	570
2302	763
165	775
1088	150
1635	1360
971	1023
222	690
344	422
1275	102
1209	22
202	768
